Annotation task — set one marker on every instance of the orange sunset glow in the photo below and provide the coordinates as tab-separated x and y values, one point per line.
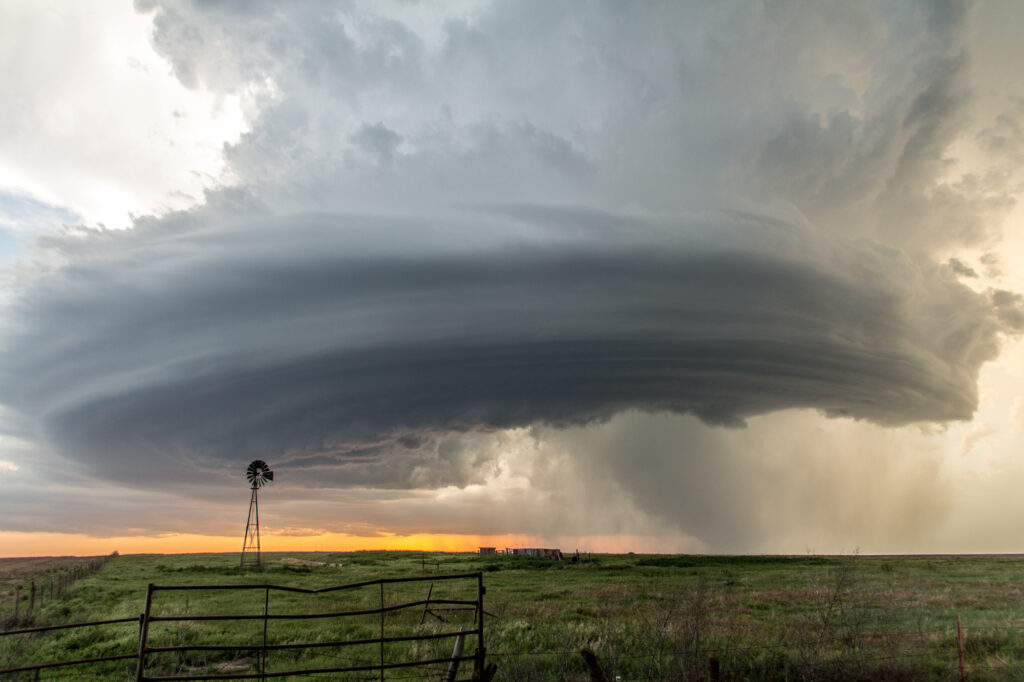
13	544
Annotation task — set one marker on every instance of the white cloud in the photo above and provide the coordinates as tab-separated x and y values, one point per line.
95	122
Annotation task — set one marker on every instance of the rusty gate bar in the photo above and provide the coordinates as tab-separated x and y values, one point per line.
382	632
61	664
320	590
263	652
309	671
311	645
479	662
44	628
301	616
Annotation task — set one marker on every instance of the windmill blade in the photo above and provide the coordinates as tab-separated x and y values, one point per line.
258	473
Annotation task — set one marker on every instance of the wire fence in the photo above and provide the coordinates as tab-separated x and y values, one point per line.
24	595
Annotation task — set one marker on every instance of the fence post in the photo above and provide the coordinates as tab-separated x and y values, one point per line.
381	631
17	601
453	665
596	674
714	672
143	634
960	649
263	653
478	665
32	600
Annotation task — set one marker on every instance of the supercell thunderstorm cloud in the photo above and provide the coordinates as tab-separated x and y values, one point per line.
450	235
323	332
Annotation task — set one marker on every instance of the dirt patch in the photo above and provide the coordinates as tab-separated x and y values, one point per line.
307	562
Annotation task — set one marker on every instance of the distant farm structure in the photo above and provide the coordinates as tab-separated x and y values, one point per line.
541	553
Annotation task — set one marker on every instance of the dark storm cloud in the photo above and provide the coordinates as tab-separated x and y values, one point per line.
962	269
196	342
1009	308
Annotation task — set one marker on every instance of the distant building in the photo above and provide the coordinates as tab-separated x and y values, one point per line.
488	550
552	554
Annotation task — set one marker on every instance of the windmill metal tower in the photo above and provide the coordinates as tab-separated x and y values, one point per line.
257	473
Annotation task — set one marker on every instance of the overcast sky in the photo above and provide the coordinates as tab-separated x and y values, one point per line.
666	276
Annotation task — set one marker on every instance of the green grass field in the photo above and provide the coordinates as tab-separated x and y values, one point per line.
646	617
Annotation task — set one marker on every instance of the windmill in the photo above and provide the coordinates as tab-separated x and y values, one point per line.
257	473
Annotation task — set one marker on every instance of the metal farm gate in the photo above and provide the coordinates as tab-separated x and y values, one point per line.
387	629
377	625
374	626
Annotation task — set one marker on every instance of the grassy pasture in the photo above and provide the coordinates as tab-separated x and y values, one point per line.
646	617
